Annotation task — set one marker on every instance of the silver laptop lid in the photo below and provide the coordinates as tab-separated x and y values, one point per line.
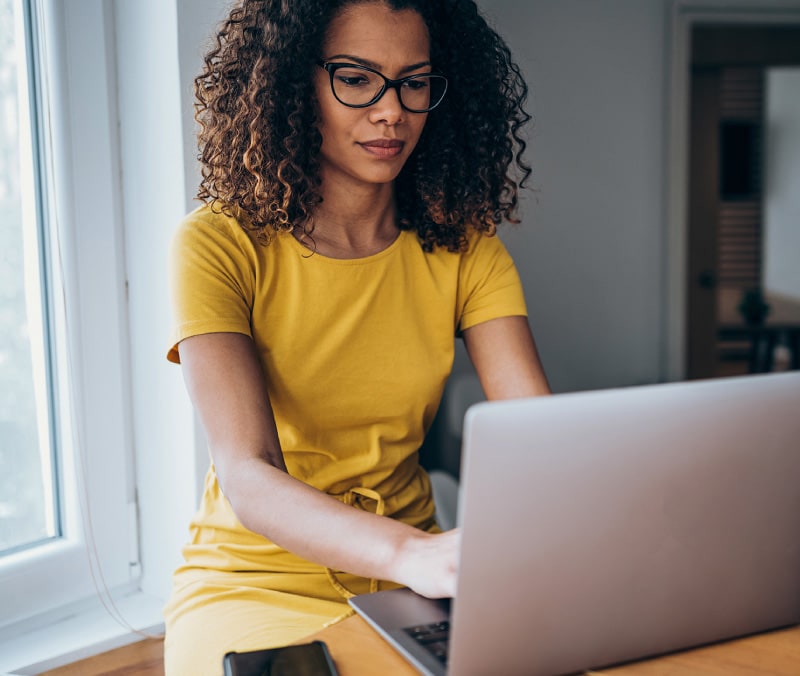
612	525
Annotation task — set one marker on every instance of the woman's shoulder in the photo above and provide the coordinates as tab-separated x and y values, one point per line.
214	218
484	256
219	225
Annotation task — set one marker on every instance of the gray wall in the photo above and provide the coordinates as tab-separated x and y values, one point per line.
591	246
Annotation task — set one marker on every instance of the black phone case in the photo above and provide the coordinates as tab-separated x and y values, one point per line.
305	659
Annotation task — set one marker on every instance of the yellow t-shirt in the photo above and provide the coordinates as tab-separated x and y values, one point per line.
356	353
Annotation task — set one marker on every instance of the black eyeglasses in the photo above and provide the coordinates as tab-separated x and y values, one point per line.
357	86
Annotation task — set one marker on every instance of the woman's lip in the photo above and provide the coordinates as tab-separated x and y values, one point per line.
383	147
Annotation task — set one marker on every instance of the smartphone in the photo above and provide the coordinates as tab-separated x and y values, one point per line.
305	659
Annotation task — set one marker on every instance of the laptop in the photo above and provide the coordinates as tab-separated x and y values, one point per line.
608	526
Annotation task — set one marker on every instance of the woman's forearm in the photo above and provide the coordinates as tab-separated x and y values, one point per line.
226	383
319	528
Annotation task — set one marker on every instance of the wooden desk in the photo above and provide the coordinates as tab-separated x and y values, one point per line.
359	651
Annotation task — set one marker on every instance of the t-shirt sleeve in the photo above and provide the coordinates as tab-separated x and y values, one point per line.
489	284
212	277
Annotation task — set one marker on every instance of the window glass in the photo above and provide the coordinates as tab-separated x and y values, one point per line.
27	488
68	516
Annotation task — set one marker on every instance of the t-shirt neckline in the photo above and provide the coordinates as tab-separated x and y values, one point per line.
307	253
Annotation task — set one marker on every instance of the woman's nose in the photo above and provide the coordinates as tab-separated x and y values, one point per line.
388	108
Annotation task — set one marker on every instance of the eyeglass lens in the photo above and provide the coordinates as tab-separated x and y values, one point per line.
359	87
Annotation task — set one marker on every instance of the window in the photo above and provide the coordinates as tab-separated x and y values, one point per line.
27	488
67	509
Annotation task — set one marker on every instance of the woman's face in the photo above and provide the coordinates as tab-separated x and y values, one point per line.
371	145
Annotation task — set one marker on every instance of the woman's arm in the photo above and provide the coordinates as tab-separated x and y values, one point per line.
505	358
226	384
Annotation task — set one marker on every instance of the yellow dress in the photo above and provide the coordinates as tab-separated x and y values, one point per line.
356	354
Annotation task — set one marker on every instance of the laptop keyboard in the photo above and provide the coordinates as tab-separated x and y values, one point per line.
433	637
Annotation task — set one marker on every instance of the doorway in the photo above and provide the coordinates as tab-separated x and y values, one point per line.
730	66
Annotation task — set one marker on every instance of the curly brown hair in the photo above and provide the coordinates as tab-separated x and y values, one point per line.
259	139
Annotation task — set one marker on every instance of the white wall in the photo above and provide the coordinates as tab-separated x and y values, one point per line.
591	246
158	53
782	198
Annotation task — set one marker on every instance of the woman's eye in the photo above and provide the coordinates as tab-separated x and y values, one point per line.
352	80
416	85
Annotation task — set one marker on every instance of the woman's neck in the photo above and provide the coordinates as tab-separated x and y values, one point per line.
355	224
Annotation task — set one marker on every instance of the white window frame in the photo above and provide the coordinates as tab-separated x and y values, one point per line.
97	553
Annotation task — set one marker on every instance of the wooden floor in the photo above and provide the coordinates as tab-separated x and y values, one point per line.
143	658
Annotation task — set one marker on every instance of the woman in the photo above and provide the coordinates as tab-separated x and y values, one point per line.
357	158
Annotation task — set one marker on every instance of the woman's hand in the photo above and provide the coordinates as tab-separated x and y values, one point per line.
428	563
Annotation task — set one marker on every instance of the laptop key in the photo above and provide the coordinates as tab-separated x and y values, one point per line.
438	650
433	637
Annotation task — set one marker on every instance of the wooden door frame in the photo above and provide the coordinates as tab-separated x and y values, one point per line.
684	15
